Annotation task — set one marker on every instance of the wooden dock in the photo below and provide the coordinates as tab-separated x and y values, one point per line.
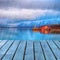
29	50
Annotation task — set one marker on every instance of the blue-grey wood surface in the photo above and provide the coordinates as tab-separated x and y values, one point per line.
29	50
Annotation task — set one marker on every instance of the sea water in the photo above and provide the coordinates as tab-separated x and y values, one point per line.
25	34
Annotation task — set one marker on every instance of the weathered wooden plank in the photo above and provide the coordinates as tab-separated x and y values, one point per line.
2	43
57	43
29	55
0	40
20	51
48	54
55	50
38	51
9	55
4	49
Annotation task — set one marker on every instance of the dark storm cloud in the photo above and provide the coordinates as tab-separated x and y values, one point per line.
31	4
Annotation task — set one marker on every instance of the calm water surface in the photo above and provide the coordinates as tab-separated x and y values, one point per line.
25	34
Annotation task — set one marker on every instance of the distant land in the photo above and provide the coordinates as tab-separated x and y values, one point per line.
31	23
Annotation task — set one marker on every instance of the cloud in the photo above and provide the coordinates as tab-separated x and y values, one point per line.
31	4
24	13
13	16
11	10
20	13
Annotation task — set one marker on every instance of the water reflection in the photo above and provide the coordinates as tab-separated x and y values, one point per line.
25	34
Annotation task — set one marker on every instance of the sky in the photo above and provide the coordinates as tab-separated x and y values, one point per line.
10	10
